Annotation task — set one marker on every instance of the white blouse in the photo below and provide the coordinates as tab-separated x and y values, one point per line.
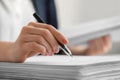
14	14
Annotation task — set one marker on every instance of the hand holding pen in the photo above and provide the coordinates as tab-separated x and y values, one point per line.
61	44
35	38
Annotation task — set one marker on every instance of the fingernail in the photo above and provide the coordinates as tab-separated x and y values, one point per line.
57	50
64	41
45	54
51	54
48	54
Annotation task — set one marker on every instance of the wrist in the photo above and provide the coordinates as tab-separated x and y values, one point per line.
4	51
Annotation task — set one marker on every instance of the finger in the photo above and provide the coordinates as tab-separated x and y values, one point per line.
51	40
103	45
107	41
40	40
45	33
93	47
58	35
34	47
89	52
100	46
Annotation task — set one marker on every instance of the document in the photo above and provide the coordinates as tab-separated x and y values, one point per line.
63	68
84	32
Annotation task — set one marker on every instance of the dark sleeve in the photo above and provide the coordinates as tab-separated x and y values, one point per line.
47	10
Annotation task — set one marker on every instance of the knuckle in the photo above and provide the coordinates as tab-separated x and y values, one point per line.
34	45
55	46
37	48
105	50
40	39
43	50
46	32
58	34
25	29
48	26
31	23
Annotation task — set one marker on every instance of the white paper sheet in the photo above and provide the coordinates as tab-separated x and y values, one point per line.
75	60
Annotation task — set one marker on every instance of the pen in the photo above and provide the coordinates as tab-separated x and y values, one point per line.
62	46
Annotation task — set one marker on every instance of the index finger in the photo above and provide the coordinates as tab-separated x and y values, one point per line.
57	34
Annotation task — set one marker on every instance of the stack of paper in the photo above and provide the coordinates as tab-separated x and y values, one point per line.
63	68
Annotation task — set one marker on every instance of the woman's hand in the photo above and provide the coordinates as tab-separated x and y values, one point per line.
95	47
99	46
35	38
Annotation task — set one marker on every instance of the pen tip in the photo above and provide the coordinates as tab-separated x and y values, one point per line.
71	56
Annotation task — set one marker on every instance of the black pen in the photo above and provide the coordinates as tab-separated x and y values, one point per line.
62	46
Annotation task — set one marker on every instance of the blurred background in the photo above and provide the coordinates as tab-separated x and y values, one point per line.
75	12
